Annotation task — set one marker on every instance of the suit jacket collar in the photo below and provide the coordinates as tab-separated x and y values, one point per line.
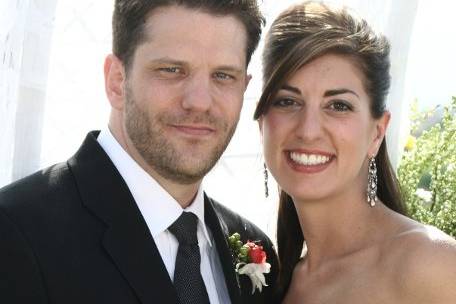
220	233
127	239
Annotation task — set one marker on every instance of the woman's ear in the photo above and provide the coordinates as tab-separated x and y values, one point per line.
260	126
114	74
381	126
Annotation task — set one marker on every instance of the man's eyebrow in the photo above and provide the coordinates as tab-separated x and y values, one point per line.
168	60
330	93
230	68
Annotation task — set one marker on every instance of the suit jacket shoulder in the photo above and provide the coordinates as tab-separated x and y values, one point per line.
26	210
74	234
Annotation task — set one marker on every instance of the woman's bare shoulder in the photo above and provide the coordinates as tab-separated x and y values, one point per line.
425	264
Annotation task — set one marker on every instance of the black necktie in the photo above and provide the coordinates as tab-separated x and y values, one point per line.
188	281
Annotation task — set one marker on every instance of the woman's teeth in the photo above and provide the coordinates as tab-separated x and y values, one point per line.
309	159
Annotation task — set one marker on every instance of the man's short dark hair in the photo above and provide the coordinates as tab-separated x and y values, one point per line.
130	17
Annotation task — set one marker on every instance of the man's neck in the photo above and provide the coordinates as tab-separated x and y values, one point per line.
184	194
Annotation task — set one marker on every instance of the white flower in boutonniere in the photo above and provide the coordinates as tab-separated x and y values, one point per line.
250	260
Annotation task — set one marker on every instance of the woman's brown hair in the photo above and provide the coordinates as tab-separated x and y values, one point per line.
299	35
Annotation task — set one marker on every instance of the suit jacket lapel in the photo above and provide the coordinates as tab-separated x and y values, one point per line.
220	233
127	239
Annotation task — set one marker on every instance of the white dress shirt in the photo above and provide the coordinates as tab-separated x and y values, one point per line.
160	210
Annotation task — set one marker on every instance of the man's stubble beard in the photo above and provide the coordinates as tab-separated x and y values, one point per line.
145	132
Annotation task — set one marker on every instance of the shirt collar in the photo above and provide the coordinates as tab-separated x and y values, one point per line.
149	196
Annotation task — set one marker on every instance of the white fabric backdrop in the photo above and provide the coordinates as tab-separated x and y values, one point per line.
75	103
25	32
12	25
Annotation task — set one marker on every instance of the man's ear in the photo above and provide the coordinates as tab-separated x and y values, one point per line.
114	73
381	126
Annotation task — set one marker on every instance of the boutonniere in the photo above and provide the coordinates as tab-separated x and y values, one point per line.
250	260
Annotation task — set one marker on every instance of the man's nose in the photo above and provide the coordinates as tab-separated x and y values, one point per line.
197	95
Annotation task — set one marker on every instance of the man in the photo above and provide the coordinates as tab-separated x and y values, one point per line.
105	227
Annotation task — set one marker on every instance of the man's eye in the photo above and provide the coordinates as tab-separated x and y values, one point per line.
223	76
340	106
170	70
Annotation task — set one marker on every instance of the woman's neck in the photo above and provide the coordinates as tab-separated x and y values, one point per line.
337	228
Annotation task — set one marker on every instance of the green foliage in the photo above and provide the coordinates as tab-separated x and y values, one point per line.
427	172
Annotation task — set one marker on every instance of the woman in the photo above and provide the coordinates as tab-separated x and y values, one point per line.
342	234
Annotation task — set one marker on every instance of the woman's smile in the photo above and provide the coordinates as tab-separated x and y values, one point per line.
308	162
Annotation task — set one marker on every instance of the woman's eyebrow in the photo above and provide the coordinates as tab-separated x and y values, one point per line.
338	92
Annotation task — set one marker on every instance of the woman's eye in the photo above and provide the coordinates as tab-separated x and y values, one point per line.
285	103
340	106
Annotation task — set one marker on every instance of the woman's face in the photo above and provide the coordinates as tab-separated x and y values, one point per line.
318	132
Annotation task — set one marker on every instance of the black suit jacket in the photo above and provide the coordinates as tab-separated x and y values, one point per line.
73	234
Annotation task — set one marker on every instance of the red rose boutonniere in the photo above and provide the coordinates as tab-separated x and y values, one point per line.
250	260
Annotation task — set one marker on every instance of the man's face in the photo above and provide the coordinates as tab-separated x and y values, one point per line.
184	91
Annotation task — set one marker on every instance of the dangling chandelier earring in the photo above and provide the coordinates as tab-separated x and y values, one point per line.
372	182
266	177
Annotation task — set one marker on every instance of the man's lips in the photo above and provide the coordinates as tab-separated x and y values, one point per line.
194	129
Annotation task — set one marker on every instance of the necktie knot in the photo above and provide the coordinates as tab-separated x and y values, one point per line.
184	228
